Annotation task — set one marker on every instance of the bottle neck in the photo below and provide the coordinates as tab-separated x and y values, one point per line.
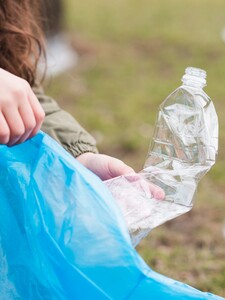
194	78
193	83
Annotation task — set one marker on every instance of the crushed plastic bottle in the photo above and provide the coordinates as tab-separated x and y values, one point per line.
183	149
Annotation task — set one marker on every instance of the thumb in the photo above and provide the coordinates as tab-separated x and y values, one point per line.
117	168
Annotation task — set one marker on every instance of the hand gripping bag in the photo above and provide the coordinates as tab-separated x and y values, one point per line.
62	235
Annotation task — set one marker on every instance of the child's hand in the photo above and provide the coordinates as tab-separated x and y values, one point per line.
142	184
104	166
107	167
21	114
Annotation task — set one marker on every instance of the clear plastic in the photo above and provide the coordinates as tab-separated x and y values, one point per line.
183	149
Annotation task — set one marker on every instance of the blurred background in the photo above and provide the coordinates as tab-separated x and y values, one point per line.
125	58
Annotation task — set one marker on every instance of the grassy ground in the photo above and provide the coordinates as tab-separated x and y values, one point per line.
132	55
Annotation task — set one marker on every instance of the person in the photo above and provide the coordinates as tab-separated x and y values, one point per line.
25	109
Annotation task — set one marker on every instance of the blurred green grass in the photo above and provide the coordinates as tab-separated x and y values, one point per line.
132	54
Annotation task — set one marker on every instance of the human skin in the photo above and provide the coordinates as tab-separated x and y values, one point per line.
21	117
21	114
104	166
107	167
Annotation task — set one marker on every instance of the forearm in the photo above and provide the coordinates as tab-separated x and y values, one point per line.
63	127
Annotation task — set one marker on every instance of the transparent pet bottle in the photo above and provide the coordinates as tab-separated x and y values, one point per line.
185	141
183	149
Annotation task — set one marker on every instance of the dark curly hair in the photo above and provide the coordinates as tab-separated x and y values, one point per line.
21	38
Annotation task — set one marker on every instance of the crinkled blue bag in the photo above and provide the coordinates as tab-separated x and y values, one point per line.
63	237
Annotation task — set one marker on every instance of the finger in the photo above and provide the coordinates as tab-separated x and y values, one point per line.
157	192
4	130
28	119
15	124
37	111
133	177
118	168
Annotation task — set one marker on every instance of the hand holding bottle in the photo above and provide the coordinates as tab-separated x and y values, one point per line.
107	167
183	149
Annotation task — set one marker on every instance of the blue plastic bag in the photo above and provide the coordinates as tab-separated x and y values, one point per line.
63	237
